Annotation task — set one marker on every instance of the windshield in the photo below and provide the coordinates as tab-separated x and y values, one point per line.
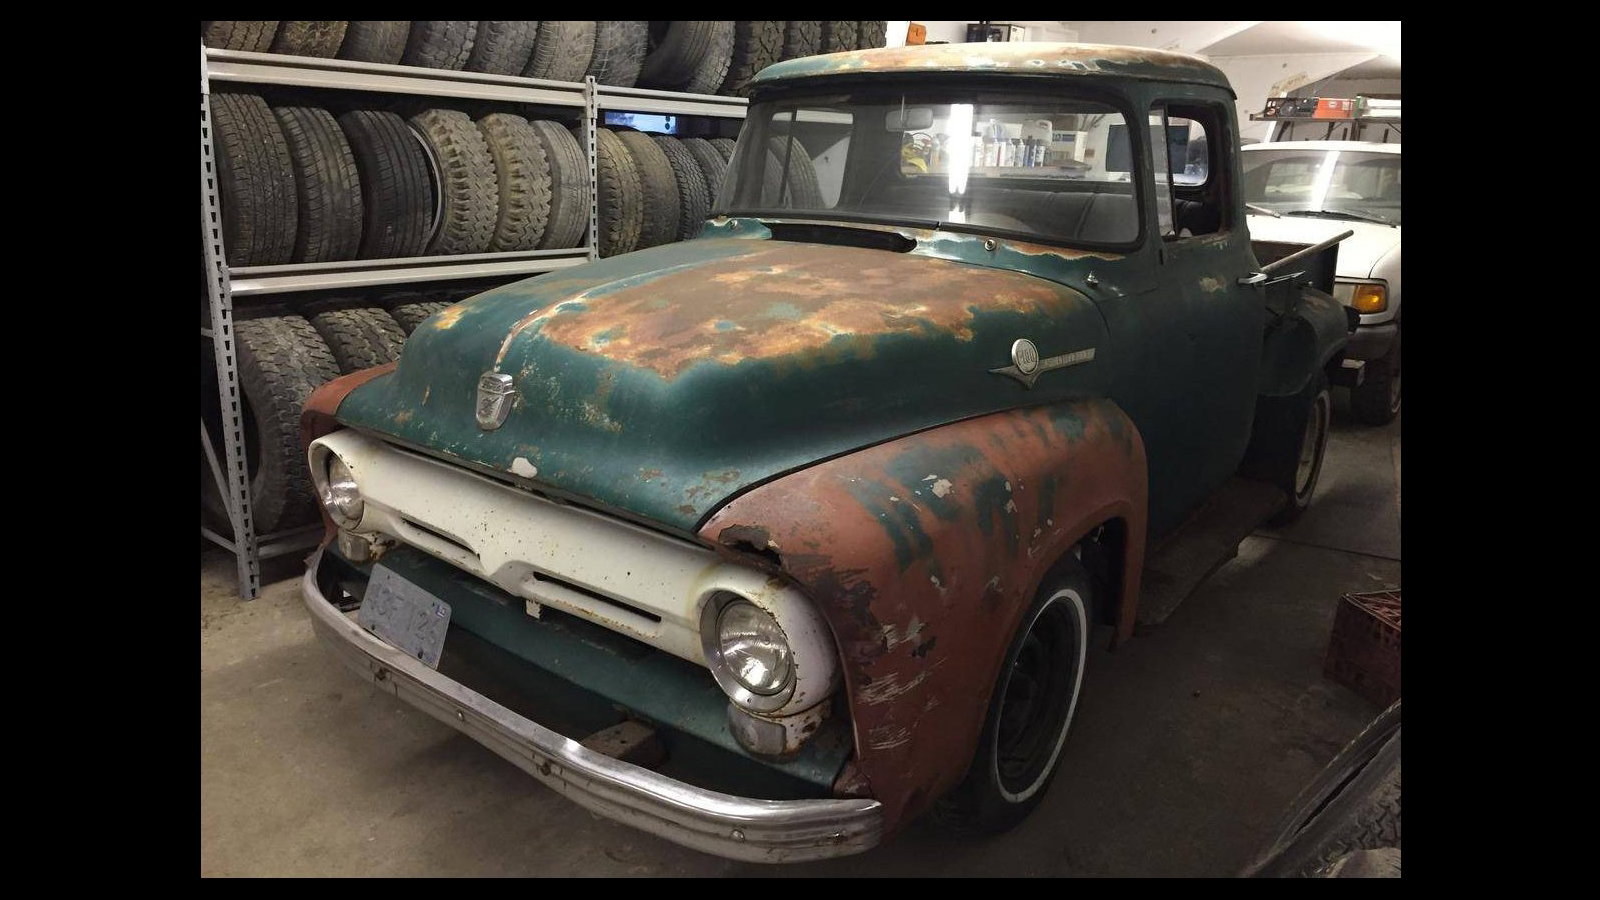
1353	184
1046	168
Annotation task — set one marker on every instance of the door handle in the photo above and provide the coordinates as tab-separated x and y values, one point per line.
1254	278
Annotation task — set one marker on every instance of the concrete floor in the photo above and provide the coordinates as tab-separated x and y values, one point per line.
1188	742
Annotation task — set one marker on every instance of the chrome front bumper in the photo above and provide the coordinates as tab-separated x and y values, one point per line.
743	828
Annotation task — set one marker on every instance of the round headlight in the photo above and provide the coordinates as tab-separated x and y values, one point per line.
340	494
754	650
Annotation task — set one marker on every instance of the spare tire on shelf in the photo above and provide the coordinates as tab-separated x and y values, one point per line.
376	42
467	184
502	48
523	178
800	189
619	52
723	146
255	177
358	335
412	313
255	37
328	189
756	45
871	35
620	197
713	166
396	196
439	45
562	51
569	186
838	37
679	51
282	360
659	187
801	39
319	39
693	198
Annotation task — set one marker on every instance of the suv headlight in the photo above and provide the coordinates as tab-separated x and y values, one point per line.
748	652
339	493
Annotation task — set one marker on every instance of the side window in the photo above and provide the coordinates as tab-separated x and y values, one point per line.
1192	200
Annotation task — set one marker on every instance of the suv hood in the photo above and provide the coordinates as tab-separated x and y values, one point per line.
658	383
1358	253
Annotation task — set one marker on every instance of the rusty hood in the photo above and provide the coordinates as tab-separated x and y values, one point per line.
660	383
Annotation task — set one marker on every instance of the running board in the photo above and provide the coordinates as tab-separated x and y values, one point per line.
1184	559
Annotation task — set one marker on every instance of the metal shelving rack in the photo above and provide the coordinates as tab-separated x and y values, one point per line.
224	285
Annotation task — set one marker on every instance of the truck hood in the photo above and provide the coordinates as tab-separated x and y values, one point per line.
1358	254
659	383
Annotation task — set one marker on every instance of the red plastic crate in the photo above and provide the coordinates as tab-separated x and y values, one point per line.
1364	648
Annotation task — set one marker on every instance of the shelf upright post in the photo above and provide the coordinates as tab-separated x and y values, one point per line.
591	123
219	294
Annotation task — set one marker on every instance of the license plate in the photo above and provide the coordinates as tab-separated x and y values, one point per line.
404	616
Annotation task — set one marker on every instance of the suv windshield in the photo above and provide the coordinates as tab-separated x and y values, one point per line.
1352	184
1051	168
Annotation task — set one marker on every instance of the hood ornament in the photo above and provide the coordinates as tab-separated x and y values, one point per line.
1026	366
495	396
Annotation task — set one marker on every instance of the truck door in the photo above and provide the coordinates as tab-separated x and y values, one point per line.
1204	252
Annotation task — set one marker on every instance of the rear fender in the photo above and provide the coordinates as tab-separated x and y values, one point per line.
923	553
1301	342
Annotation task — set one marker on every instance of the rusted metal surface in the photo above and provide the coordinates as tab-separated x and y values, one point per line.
1019	58
924	552
659	383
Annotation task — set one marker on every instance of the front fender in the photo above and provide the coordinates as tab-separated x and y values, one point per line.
923	553
1300	343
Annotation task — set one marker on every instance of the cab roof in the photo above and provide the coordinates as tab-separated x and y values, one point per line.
1022	58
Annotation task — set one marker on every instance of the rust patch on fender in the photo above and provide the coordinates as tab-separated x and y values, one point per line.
924	552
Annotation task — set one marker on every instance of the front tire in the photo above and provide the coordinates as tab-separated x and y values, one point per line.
1377	400
1031	708
1287	445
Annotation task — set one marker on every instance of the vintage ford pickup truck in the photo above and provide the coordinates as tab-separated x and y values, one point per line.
767	541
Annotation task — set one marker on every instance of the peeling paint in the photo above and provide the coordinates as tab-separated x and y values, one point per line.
521	466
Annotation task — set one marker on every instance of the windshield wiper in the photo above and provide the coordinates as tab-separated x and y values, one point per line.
1263	210
1340	214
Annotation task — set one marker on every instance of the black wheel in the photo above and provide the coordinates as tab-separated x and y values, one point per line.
801	39
800	188
723	146
569	186
255	175
1287	445
320	39
379	42
694	199
502	48
467	183
1353	804
619	52
621	199
713	166
439	45
328	189
523	175
1377	400
412	313
838	37
871	35
756	45
1031	708
679	50
253	36
562	51
360	337
282	360
396	196
660	187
